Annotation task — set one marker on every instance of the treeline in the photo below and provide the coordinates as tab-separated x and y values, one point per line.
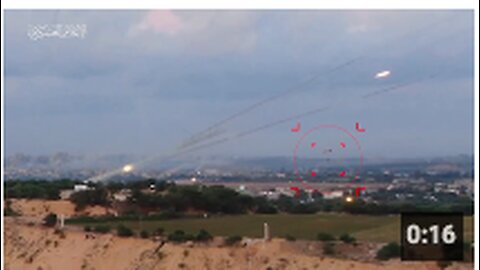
211	199
167	196
37	189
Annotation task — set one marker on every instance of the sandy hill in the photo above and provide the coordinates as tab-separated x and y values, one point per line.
38	248
29	245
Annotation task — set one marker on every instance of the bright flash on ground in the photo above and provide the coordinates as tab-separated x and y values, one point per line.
349	199
127	168
382	74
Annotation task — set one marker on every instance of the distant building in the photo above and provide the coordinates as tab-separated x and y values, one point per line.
333	195
122	195
81	187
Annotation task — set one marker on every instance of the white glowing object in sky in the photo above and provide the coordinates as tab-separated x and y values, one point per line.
127	168
382	74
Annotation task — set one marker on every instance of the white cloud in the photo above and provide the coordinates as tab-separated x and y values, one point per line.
204	32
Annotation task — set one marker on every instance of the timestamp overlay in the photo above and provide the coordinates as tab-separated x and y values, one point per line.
432	236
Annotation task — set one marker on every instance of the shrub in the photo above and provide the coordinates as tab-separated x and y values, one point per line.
101	228
232	240
144	234
179	236
328	248
388	251
347	238
290	238
124	231
203	236
87	228
159	231
325	237
50	220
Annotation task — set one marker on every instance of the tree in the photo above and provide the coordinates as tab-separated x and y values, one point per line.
82	199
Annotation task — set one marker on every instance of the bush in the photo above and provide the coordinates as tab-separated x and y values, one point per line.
203	236
388	251
50	220
180	236
328	248
290	238
325	237
232	240
159	231
144	234
87	228
101	228
347	238
124	231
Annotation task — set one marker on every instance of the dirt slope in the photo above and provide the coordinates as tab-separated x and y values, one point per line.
38	248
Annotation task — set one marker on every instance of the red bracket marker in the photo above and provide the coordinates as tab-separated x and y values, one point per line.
358	128
357	191
296	128
297	191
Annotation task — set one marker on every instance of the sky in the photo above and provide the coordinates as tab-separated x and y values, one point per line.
142	82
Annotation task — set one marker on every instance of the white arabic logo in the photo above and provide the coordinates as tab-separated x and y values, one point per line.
62	31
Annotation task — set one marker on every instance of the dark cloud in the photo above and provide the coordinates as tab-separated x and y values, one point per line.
146	77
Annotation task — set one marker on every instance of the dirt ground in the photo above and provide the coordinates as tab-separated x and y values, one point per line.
29	246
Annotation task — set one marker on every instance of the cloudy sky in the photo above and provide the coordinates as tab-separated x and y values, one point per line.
141	82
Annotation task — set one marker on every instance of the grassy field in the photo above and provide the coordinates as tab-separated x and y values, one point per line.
364	228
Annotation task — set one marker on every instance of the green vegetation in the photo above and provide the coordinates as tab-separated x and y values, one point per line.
325	237
222	200
180	236
50	220
365	228
203	236
347	238
124	231
37	189
391	250
82	199
101	228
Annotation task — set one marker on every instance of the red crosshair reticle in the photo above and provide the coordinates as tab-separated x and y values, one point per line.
297	127
297	191
358	128
351	142
357	191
